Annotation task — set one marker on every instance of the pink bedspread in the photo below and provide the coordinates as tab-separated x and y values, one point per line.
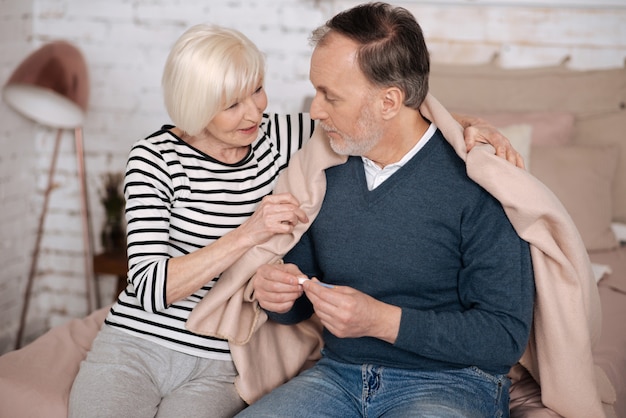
35	381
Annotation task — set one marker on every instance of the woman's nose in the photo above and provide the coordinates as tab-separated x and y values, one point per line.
253	109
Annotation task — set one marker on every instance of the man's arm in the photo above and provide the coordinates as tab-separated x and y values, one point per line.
477	130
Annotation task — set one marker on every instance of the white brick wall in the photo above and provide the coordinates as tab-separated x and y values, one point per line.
125	43
17	174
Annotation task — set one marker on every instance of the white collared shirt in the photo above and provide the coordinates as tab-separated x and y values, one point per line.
375	175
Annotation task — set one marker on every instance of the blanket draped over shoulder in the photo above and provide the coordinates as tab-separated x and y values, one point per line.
567	312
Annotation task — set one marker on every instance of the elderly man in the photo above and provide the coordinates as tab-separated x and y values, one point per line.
424	288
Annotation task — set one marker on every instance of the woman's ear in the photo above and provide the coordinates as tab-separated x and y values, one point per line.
392	102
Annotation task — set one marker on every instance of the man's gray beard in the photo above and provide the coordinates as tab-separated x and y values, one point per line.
358	146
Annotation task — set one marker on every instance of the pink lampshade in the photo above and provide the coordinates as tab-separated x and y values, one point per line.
51	86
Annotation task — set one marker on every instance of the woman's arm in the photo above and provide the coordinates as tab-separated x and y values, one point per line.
277	214
159	278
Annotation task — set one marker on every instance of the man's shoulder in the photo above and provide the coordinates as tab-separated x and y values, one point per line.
441	158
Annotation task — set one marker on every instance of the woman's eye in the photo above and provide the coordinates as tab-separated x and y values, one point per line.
258	90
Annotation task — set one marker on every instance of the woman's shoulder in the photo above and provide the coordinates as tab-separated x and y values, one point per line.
166	135
274	121
288	131
161	139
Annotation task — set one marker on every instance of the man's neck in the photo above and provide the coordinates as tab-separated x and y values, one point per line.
401	135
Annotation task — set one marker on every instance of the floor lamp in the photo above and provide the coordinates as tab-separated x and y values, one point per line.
51	87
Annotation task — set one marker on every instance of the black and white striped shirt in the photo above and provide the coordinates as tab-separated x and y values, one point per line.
178	199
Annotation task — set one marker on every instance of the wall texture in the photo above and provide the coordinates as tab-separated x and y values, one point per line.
125	43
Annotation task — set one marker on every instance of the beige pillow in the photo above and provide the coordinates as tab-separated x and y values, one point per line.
549	128
582	178
603	129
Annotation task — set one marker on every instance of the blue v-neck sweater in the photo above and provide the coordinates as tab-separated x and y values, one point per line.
433	242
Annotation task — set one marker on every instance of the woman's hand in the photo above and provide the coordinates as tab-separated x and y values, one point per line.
478	130
276	214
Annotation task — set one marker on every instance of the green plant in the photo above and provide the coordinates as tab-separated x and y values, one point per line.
112	199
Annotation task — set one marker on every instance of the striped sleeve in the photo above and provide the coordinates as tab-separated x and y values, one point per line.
148	189
290	132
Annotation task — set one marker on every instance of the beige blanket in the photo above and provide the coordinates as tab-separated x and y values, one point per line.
267	354
567	310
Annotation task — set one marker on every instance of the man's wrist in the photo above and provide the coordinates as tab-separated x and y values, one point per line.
390	324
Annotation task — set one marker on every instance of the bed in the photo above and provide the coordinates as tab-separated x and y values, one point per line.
571	128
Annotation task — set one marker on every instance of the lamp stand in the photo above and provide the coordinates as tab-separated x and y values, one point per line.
91	289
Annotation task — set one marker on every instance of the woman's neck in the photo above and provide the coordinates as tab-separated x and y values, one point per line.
221	151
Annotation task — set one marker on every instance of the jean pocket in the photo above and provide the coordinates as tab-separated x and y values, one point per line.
497	385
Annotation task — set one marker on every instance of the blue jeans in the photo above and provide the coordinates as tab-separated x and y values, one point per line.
334	389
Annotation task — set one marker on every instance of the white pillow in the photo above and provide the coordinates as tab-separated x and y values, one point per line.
619	229
600	270
520	137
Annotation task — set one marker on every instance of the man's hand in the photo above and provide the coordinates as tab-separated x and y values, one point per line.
349	313
276	286
478	130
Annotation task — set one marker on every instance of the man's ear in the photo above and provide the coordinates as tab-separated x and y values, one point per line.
392	102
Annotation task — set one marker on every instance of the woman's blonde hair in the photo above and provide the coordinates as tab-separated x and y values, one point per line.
208	69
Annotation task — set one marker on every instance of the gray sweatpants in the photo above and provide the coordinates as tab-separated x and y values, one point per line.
127	376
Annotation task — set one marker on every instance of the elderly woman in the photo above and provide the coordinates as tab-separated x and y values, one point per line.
198	195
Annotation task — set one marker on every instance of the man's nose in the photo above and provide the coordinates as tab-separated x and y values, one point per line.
317	111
